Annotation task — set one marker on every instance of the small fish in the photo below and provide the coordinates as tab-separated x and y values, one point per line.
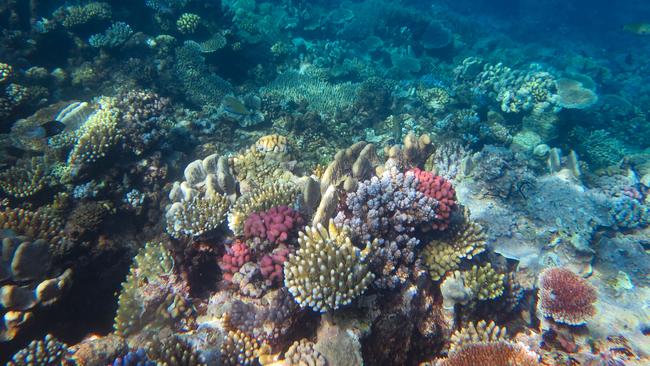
637	28
235	106
47	129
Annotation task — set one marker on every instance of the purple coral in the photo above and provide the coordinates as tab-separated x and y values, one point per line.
386	206
388	209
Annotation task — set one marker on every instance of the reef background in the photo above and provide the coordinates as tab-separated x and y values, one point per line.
476	158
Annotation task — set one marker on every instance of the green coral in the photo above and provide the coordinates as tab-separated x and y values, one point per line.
441	256
96	137
151	294
327	271
484	281
188	23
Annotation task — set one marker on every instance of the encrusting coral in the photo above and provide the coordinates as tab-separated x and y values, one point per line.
327	271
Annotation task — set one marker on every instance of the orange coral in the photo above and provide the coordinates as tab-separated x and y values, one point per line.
501	353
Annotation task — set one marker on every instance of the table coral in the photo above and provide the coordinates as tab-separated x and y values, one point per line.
327	271
565	297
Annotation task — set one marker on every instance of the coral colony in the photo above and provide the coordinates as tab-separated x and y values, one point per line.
245	182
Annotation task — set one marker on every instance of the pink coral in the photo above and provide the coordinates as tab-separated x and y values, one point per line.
271	264
236	256
274	225
565	297
439	188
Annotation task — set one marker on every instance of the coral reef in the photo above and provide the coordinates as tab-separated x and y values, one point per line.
46	352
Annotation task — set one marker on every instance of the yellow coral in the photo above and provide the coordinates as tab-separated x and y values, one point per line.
239	349
484	282
327	271
96	137
197	216
272	143
188	23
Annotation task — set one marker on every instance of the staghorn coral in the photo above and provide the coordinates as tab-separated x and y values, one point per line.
260	199
197	216
327	271
501	353
565	297
46	352
239	349
33	224
308	86
152	294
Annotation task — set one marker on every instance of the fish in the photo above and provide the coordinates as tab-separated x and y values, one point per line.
235	106
47	129
637	28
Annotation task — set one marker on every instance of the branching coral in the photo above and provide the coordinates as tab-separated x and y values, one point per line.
116	35
46	352
197	216
465	239
153	294
565	297
327	271
96	137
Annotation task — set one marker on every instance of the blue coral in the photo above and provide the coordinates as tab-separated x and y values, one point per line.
114	36
629	213
134	358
